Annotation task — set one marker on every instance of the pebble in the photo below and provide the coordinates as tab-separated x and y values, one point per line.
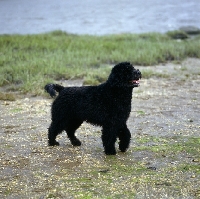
195	160
152	168
6	103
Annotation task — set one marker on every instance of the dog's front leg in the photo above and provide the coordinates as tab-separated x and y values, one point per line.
124	138
109	139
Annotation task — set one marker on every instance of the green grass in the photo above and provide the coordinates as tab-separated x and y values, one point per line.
28	62
7	96
147	73
16	110
171	146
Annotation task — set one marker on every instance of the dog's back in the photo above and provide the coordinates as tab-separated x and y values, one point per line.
94	104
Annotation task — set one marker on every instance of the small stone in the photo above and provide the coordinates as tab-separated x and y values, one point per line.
152	168
6	103
192	30
104	171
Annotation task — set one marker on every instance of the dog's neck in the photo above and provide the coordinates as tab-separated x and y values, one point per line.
122	92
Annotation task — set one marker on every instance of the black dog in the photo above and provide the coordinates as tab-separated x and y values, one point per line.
107	105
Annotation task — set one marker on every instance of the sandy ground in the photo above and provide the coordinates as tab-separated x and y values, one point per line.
162	107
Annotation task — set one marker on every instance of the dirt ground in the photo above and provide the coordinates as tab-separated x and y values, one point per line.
165	117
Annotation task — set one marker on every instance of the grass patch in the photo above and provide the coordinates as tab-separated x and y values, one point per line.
161	146
16	110
177	34
7	96
189	167
31	61
147	73
140	112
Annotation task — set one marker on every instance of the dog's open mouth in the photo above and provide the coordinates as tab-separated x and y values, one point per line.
135	83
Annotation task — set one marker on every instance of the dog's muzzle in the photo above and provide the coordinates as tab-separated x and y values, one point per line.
136	79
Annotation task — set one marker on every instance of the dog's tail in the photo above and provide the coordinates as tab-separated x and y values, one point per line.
53	88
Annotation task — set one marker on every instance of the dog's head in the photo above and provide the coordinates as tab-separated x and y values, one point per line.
124	75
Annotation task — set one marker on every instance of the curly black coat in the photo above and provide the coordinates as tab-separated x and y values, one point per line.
107	105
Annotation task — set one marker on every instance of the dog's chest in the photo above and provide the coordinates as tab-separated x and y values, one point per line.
121	106
122	103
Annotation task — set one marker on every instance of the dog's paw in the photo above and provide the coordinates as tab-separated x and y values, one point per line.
75	142
110	152
54	143
123	149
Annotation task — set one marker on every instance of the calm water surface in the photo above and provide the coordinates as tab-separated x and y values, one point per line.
97	17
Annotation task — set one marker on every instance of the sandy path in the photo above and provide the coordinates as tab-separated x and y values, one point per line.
162	107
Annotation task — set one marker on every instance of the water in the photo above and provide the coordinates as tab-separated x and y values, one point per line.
97	17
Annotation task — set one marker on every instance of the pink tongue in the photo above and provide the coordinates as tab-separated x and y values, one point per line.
136	81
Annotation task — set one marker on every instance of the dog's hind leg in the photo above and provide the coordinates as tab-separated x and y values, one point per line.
109	139
124	138
70	129
53	131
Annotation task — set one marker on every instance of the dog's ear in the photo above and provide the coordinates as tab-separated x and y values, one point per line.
114	77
